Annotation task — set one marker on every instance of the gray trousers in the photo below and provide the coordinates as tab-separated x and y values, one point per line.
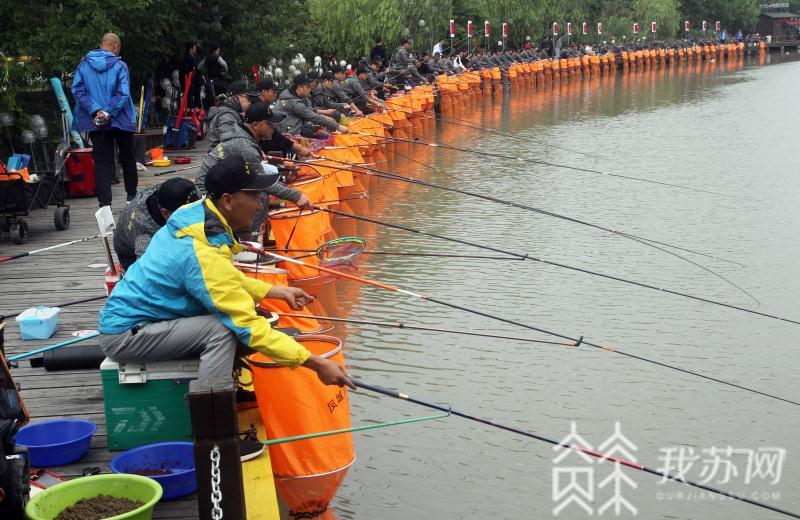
177	339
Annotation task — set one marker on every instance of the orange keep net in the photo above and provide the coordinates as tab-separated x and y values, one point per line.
275	276
291	403
301	229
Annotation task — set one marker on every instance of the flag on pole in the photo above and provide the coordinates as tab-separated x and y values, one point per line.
599	28
653	27
635	28
705	25
505	30
569	28
555	28
719	26
469	29
686	26
585	28
486	29
452	28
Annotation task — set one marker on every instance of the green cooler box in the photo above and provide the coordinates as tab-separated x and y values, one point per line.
146	403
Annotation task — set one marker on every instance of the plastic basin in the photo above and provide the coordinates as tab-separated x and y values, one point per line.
177	457
56	442
50	502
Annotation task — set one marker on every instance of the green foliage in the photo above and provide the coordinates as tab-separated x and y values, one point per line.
57	33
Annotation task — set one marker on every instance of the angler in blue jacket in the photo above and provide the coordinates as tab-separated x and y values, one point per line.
104	108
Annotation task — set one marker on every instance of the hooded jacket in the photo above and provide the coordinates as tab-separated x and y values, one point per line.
101	83
221	121
297	112
237	141
188	271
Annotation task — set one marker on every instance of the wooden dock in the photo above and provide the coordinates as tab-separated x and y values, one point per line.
60	276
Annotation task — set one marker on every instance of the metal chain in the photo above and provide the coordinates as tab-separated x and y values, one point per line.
216	492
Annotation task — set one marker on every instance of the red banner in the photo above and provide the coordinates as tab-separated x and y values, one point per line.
653	27
469	29
555	28
686	26
705	25
718	26
505	30
487	30
635	28
599	28
452	28
585	28
569	28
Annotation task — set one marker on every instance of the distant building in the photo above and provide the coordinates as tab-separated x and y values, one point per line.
781	25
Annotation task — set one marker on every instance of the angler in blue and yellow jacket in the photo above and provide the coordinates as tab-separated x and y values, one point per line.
185	297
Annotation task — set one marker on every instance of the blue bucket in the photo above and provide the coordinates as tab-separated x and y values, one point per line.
56	442
177	457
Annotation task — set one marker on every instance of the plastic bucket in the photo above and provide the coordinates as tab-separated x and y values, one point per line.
299	229
56	442
175	457
307	472
50	502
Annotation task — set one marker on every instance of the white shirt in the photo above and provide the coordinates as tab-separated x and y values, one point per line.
439	47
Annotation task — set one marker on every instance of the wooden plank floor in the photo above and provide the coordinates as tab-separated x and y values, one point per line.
60	276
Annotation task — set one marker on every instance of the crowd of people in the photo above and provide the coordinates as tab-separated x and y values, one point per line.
181	294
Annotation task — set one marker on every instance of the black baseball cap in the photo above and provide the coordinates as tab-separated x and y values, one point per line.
327	76
233	174
265	84
240	87
261	112
301	79
174	193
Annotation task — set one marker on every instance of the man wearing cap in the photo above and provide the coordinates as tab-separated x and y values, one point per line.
184	297
266	91
244	141
146	214
222	118
339	77
324	97
299	117
404	65
364	99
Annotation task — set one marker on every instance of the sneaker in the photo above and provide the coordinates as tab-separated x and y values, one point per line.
130	198
249	450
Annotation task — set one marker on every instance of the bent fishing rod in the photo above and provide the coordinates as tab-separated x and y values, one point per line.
22	255
575	341
675	477
535	161
526	256
641	240
360	168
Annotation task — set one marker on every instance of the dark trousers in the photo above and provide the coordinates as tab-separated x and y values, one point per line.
103	152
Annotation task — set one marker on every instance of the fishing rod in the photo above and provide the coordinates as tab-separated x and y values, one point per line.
424	329
178	170
432	255
535	161
22	255
60	305
527	256
676	477
576	341
396	176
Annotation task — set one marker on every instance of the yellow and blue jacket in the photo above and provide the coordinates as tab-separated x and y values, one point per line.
187	270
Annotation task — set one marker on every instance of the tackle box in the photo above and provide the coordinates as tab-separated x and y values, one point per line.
38	322
146	403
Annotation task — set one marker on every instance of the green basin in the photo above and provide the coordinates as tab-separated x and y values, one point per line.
50	502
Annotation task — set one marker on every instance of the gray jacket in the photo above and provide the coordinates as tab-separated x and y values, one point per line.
221	121
298	112
341	95
325	99
355	90
240	142
135	228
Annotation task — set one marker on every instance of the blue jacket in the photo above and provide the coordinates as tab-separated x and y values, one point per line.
187	270
101	83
